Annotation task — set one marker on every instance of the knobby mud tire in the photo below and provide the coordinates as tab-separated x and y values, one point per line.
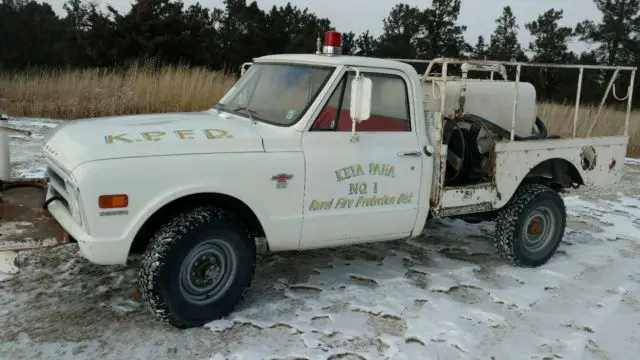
510	223
160	271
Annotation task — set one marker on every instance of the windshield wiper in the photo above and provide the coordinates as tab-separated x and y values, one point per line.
249	112
220	107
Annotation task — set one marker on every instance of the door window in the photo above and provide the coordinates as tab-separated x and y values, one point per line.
389	106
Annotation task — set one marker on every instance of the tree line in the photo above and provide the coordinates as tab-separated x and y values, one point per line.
32	35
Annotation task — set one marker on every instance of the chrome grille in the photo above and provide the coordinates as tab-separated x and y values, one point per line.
63	188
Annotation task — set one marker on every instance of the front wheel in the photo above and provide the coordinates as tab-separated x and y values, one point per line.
197	267
530	227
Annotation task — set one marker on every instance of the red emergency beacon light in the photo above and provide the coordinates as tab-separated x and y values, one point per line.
332	43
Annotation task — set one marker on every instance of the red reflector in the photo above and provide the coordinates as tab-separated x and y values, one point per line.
113	201
281	177
613	164
333	38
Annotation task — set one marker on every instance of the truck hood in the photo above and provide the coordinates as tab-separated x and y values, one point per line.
76	142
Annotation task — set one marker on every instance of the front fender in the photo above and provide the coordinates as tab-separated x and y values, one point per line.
172	195
153	182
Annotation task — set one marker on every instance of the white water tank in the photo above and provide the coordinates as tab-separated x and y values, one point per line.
490	99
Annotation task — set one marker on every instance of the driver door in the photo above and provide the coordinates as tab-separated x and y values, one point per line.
365	190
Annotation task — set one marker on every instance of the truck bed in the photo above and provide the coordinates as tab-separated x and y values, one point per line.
594	161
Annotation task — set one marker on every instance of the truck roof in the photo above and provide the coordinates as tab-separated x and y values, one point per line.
338	60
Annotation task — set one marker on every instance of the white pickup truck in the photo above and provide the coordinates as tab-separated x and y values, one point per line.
316	150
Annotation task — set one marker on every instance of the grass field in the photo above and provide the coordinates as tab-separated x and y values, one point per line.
96	92
139	89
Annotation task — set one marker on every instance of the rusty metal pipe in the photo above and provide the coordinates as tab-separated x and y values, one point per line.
5	161
15	131
15	183
578	94
5	158
629	102
512	63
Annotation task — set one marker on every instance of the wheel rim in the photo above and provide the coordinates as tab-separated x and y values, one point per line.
539	230
207	271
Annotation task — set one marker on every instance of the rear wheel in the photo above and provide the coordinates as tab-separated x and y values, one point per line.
197	267
530	227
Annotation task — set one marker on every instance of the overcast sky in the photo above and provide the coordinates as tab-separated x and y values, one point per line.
362	15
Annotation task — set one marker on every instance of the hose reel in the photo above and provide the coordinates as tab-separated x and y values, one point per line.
466	163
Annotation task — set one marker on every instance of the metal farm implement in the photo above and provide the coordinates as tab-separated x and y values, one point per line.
24	223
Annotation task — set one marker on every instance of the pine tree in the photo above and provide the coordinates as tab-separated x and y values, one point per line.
480	50
617	34
504	44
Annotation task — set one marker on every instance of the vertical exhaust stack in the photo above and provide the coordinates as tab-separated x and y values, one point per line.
5	156
5	159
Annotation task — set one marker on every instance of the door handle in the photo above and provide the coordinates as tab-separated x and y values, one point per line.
410	153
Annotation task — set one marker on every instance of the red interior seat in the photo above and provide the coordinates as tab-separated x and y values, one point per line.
374	123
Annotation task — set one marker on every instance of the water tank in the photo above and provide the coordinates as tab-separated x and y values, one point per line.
490	99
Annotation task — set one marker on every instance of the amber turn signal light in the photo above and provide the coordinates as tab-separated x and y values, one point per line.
113	201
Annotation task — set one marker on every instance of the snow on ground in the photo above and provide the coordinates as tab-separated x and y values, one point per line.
443	296
26	156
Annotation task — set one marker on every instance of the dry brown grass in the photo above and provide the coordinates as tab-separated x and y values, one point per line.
98	92
559	120
141	89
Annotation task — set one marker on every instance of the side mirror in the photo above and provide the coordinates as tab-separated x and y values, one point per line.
245	67
361	88
360	107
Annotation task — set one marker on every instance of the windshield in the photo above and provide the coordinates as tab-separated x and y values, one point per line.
275	93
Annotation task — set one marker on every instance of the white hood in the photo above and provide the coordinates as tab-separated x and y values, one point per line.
77	142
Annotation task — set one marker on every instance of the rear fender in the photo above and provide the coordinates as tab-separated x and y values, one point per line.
564	162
